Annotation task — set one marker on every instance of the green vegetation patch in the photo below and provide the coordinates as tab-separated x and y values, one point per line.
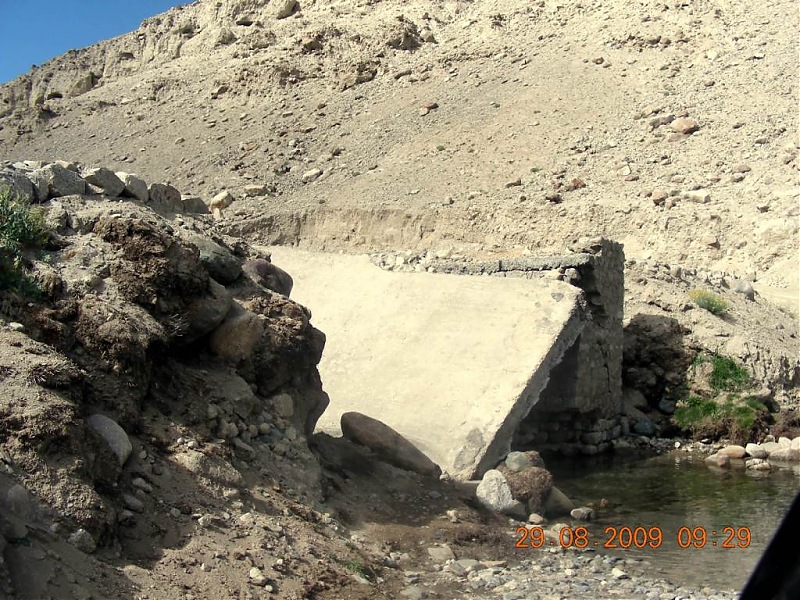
709	301
726	374
22	228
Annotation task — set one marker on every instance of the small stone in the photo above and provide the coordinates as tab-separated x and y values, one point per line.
113	434
697	196
756	451
617	573
133	503
222	200
684	125
535	519
311	175
583	513
14	326
257	577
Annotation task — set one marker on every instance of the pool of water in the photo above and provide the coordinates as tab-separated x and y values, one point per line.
697	511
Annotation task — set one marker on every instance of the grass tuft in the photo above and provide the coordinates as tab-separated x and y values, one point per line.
21	228
709	301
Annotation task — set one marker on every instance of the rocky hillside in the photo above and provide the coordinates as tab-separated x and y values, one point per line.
462	130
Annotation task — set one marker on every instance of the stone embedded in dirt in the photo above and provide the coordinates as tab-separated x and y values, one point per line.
557	504
311	175
441	554
684	125
194	205
254	189
710	240
220	263
644	426
519	461
83	541
257	577
697	196
283	405
135	187
733	451
387	444
133	503
745	288
113	434
285	8
206	313
582	513
535	519
105	179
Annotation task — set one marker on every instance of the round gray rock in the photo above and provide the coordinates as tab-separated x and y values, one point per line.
113	434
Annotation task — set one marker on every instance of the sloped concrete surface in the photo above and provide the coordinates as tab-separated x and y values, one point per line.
453	363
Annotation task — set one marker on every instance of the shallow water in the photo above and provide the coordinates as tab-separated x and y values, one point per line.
666	493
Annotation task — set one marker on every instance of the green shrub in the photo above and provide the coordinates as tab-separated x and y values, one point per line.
694	410
21	228
711	302
727	375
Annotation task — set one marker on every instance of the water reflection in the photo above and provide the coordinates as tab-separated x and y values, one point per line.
677	490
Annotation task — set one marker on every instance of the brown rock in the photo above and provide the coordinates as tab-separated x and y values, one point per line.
531	485
684	125
733	451
387	444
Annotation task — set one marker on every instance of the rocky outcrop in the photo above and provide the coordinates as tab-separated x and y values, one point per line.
140	314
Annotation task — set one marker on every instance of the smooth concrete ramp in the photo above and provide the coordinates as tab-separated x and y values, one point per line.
451	362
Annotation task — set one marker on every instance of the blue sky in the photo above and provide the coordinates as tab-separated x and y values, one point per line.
31	32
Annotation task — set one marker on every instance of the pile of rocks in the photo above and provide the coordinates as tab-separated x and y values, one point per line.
758	457
37	181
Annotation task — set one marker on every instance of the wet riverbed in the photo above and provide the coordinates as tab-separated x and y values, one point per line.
713	524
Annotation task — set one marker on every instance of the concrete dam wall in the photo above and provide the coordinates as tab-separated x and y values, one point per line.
471	358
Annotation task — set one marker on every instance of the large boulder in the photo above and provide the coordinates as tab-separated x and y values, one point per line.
62	181
134	186
389	445
105	179
165	198
494	493
220	263
557	504
18	184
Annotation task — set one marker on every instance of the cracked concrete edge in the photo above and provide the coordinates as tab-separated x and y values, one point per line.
477	462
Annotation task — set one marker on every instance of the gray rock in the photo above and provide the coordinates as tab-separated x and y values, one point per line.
740	286
194	205
557	504
134	186
19	185
62	181
113	434
41	188
583	513
286	8
83	541
645	427
266	274
756	451
311	175
494	493
164	198
666	406
387	444
220	263
133	503
519	461
283	404
106	179
785	454
441	554
206	313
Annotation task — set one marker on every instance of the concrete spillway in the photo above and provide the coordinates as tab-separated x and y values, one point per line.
453	363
